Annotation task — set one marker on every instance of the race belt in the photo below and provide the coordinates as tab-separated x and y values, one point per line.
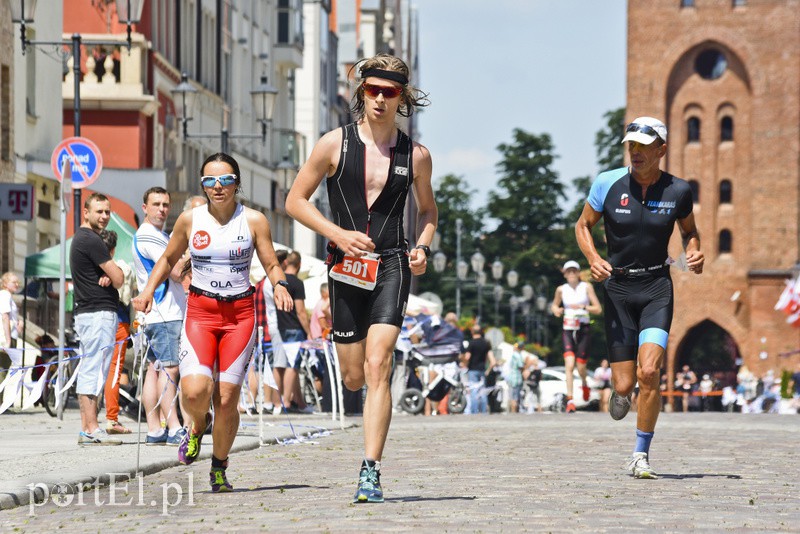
222	298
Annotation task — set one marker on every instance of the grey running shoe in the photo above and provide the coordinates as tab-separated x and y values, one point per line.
618	406
98	437
640	467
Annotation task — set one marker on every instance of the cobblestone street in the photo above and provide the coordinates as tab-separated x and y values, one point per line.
719	472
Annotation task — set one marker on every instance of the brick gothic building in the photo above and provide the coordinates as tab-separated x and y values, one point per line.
724	75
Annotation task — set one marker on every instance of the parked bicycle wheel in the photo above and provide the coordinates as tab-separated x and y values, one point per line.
49	391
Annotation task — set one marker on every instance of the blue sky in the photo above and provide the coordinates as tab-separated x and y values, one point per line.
546	66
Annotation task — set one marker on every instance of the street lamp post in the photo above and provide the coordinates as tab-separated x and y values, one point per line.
263	95
22	12
513	302
497	274
459	278
477	260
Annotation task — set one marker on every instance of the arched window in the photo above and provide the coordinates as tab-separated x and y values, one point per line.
726	129
725	192
693	130
725	241
695	185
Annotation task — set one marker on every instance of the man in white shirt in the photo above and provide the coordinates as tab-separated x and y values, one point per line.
162	325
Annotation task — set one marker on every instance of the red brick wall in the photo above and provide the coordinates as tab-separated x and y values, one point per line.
761	91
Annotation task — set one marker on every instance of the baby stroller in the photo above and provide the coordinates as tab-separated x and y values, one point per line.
431	366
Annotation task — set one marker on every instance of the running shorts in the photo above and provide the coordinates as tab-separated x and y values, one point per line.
355	309
638	310
218	337
577	342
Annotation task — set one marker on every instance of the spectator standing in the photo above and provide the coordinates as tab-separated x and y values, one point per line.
796	382
706	386
267	318
321	316
162	324
10	321
514	377
113	426
684	383
96	278
479	361
294	328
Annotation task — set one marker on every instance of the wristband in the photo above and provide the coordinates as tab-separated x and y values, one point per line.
426	249
283	283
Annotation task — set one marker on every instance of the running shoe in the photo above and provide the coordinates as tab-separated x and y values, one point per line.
640	467
219	482
161	439
189	449
570	406
618	406
586	392
369	484
98	437
176	439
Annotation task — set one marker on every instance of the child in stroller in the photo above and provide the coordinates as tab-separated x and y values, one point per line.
430	350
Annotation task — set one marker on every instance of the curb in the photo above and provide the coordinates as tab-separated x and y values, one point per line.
22	496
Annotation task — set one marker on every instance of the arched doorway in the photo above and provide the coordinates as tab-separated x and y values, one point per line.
709	348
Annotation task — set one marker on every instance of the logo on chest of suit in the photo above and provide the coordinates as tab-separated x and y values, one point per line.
201	240
660	207
401	171
623	200
239	253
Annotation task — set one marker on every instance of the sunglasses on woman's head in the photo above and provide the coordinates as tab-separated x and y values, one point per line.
387	92
211	181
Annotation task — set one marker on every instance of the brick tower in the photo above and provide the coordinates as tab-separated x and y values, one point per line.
724	75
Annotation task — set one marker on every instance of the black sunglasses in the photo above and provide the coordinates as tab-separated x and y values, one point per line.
642	128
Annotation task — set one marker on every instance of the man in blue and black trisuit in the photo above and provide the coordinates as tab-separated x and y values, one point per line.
640	205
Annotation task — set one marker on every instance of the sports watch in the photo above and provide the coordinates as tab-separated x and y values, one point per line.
283	283
426	249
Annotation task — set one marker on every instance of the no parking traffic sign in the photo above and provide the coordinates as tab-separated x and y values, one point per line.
85	157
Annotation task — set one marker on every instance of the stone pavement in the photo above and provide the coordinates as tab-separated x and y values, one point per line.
36	448
552	472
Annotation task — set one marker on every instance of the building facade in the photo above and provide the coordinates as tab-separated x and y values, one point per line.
724	75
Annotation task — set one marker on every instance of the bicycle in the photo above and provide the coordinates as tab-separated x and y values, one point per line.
49	392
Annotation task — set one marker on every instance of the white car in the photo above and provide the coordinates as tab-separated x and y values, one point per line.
553	388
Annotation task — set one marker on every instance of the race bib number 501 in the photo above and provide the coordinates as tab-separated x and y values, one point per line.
360	272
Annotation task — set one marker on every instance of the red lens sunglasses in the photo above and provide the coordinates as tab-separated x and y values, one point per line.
387	92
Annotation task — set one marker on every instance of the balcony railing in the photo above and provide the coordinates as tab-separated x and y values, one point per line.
113	77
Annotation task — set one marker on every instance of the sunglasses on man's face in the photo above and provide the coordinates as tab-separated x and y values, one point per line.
211	181
642	128
387	92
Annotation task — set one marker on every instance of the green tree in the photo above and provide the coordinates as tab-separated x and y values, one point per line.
608	141
454	201
527	203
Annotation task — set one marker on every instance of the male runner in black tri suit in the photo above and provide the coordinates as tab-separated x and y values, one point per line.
640	205
370	165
